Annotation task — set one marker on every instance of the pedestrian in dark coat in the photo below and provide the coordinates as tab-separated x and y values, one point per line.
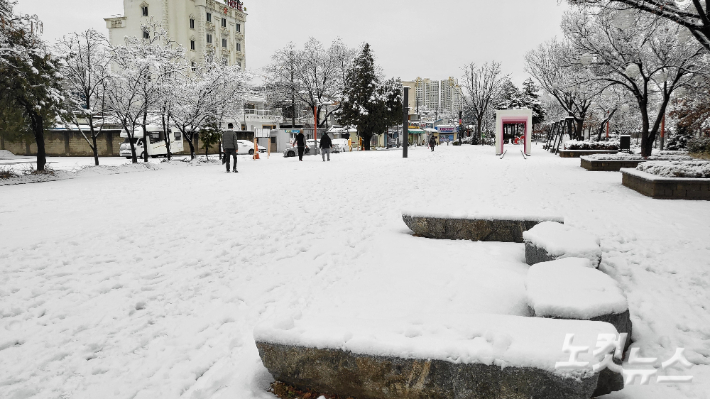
326	144
432	142
301	144
230	145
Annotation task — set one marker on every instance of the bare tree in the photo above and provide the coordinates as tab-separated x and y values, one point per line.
85	72
647	59
283	83
482	85
693	15
569	83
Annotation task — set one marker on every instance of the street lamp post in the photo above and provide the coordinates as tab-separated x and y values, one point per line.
405	123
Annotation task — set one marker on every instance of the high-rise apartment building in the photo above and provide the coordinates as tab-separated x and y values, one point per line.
451	96
200	26
432	95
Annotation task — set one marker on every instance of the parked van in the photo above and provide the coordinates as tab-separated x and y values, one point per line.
156	142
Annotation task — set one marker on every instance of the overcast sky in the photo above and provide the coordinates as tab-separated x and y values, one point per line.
410	38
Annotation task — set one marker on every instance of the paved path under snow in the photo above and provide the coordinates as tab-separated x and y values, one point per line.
148	285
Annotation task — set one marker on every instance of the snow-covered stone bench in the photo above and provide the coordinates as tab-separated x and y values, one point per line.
454	356
549	241
570	289
503	228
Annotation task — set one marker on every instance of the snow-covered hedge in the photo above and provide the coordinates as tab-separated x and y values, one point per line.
591	145
693	169
636	157
699	145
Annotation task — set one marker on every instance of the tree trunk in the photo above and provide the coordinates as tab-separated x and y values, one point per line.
95	149
37	123
478	129
145	138
646	143
579	130
366	139
192	146
166	134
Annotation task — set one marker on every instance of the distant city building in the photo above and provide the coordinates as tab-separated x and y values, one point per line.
451	96
443	96
200	26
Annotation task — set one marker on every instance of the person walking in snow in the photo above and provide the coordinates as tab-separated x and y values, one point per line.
301	144
229	142
432	142
326	144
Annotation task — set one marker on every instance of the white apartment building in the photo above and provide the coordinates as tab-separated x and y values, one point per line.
443	96
200	26
451	96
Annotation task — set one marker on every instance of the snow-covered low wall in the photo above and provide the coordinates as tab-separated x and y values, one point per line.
579	153
608	165
503	228
569	289
666	187
453	356
550	241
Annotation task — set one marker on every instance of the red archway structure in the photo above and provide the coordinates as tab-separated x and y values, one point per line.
513	116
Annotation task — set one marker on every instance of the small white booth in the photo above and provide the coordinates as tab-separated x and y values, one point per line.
522	116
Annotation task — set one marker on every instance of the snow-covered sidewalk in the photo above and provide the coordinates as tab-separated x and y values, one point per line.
149	285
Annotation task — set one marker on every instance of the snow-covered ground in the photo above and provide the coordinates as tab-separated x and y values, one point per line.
149	285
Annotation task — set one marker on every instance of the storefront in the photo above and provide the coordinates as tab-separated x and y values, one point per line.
416	135
446	134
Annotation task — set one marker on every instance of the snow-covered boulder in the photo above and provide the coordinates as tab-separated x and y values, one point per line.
503	228
452	356
569	289
550	241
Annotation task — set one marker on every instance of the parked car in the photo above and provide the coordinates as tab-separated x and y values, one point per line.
247	147
293	151
340	145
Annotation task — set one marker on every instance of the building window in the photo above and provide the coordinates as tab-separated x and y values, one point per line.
192	23
209	38
224	43
146	35
239	27
239	46
144	10
192	45
193	66
239	63
224	22
209	17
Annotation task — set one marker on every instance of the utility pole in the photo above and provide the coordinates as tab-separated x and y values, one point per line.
405	123
663	131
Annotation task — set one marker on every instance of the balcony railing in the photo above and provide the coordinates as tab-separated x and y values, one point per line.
262	114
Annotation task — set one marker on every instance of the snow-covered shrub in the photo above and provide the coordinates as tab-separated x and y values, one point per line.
699	146
591	145
693	169
678	141
7	173
661	156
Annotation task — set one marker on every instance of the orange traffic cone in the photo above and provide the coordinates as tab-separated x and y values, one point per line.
256	155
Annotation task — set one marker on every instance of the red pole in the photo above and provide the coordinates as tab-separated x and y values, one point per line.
607	129
315	124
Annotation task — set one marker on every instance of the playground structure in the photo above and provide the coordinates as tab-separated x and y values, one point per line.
506	117
556	133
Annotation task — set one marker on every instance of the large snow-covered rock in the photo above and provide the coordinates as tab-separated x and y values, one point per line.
503	228
569	289
550	241
459	356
